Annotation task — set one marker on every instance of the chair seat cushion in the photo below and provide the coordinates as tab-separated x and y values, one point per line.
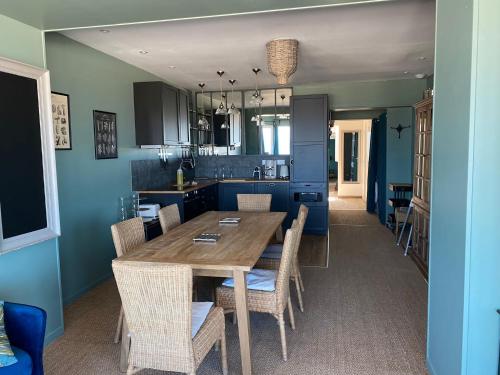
200	311
257	279
23	366
273	251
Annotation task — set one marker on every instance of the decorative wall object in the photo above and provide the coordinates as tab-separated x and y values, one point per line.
105	135
61	120
282	58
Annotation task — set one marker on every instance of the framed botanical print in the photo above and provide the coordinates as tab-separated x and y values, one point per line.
105	135
61	120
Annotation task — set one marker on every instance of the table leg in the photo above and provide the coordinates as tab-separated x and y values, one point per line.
240	290
125	347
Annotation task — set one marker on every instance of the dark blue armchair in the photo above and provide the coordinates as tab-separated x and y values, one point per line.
25	327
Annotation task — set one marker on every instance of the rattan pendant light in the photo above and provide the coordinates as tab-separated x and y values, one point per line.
282	58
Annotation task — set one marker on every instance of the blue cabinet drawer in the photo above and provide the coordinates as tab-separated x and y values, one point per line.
227	194
279	191
317	218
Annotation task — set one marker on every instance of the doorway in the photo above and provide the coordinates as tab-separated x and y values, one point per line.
349	150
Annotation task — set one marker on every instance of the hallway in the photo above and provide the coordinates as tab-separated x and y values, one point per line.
364	315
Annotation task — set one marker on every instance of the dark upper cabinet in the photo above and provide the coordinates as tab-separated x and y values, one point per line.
309	114
184	117
309	163
170	115
161	114
309	118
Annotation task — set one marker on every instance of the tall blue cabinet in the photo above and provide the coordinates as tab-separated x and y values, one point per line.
309	160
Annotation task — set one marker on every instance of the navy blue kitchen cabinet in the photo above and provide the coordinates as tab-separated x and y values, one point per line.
279	191
309	160
228	192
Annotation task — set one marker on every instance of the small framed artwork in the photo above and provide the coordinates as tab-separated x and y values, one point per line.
61	120
105	135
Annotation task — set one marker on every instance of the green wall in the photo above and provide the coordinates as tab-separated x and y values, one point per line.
464	282
30	275
369	94
89	189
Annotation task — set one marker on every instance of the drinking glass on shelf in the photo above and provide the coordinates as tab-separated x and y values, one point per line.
123	209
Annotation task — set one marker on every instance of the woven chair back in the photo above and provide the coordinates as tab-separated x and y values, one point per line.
127	235
156	300
283	277
169	217
254	202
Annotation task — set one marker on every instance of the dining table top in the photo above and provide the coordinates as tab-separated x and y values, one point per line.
238	248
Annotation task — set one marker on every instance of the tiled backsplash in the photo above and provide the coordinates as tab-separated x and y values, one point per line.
241	165
154	174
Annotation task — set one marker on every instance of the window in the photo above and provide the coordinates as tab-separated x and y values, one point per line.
29	210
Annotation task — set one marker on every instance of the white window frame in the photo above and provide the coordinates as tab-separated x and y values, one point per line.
48	159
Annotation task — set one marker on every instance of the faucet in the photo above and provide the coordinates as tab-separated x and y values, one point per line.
256	173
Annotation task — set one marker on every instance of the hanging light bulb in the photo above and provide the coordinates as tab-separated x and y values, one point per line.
256	97
232	110
283	116
203	123
221	110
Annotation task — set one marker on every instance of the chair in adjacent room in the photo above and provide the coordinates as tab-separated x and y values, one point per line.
168	331
169	217
25	328
268	290
271	258
127	235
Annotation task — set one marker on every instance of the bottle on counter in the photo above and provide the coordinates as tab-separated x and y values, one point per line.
180	178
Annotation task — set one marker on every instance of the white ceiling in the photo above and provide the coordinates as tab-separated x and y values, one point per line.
376	41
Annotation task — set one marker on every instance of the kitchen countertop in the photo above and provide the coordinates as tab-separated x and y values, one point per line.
204	183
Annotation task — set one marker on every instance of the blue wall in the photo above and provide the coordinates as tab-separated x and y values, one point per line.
464	281
89	189
484	257
399	161
30	275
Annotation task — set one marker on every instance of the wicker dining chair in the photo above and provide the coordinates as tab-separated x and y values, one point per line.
127	235
168	331
257	203
169	217
254	202
271	257
268	290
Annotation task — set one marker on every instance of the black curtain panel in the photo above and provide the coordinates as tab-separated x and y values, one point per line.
381	168
371	204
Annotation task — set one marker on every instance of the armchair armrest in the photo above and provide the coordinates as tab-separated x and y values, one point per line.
25	327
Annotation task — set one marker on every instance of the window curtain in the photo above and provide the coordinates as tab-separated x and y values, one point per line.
381	167
371	199
376	192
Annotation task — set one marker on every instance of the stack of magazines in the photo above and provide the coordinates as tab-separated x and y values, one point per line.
230	220
207	237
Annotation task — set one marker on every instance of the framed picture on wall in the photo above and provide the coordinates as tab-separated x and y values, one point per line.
61	120
105	135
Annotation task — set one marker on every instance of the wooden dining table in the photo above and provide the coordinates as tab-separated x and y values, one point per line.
233	255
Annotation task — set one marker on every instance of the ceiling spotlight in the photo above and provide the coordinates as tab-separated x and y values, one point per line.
420	75
143	52
171	66
104	31
406	72
422	58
